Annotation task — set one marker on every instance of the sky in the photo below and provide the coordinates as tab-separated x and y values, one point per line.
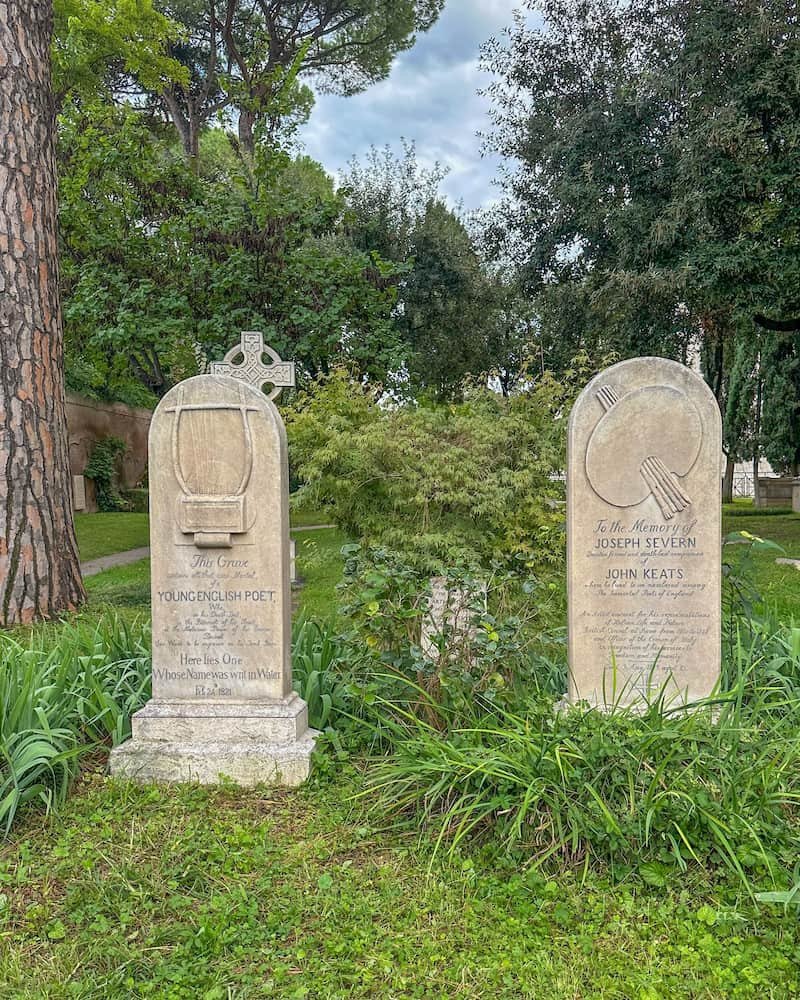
429	98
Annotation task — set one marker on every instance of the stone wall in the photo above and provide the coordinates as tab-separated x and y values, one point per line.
89	421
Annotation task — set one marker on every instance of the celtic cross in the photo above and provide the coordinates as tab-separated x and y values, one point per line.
252	368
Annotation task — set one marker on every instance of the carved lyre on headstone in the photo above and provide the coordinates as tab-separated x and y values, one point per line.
221	595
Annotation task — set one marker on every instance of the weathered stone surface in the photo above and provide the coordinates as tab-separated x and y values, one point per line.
450	610
644	536
221	598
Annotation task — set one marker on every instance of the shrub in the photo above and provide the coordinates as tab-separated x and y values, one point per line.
101	469
443	484
491	654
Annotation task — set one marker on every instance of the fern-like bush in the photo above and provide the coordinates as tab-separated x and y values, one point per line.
444	485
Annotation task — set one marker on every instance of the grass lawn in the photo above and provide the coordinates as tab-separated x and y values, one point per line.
103	534
184	892
779	585
319	565
303	518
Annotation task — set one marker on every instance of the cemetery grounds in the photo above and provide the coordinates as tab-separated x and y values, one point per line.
332	890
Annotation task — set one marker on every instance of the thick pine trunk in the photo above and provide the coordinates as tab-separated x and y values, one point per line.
39	569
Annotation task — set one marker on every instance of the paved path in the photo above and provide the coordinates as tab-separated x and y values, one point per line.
115	559
134	555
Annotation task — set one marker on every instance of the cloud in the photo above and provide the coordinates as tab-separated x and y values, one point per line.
431	98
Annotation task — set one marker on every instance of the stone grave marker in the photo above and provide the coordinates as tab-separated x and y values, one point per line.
219	533
448	608
644	536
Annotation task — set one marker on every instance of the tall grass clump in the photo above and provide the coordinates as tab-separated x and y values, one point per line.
63	691
321	672
716	786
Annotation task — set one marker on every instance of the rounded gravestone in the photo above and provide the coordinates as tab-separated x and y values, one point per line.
644	535
223	702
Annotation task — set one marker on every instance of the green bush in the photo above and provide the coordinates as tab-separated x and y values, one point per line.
443	484
102	470
491	654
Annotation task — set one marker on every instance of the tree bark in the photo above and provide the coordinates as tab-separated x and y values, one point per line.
246	125
39	568
727	481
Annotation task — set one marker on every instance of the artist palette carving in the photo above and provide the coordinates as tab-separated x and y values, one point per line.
644	443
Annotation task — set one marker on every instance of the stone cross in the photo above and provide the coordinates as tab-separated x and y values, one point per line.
252	369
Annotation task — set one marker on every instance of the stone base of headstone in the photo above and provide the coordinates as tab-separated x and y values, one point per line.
248	744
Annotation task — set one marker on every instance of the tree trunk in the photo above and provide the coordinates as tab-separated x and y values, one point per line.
246	125
39	569
727	481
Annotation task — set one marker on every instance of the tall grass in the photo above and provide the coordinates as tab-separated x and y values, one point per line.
61	693
320	672
73	686
717	786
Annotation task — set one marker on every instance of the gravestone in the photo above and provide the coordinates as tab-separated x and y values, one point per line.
449	609
222	699
644	536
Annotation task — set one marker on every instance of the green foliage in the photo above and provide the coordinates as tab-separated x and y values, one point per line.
652	205
102	470
58	699
246	63
443	485
159	262
481	650
317	659
447	302
660	792
741	597
94	37
781	403
775	583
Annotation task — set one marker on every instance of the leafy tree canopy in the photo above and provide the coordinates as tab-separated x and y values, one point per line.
94	38
162	267
657	154
245	58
